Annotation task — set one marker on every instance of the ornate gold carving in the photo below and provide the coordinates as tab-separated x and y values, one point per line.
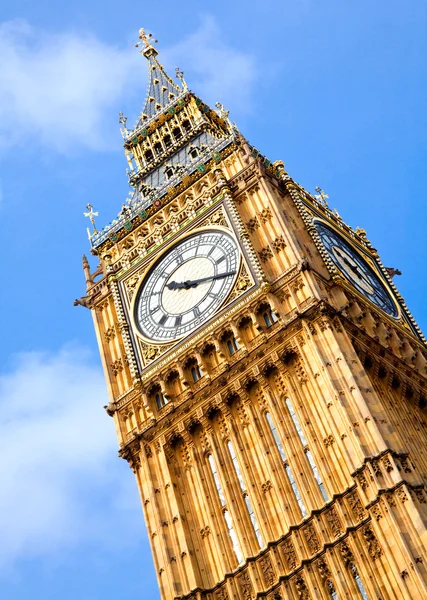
117	367
131	284
312	539
216	218
245	585
376	511
362	479
401	494
150	353
356	506
289	552
205	531
334	522
267	570
374	548
322	567
278	244
266	487
242	284
252	224
265	215
328	441
221	594
345	552
301	588
265	254
110	333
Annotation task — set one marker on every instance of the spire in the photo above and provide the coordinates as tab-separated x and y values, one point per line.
162	90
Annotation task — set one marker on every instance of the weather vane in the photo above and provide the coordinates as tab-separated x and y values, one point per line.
321	196
91	214
180	75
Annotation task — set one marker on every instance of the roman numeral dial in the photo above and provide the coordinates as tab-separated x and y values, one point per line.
187	286
356	269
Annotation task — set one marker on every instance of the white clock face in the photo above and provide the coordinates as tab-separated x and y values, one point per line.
186	286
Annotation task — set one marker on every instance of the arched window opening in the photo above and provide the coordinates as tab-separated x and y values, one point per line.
186	125
232	345
167	140
148	156
267	314
210	356
288	469
177	133
230	342
158	148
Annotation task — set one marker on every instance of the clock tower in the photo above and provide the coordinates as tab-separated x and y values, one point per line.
267	382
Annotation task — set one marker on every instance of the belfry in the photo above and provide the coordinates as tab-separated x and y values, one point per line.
267	381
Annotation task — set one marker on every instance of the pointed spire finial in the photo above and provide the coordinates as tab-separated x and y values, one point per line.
122	121
148	40
91	214
180	75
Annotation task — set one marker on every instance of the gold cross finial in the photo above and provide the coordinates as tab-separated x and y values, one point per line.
146	39
321	196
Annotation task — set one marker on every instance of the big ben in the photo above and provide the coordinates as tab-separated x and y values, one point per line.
267	381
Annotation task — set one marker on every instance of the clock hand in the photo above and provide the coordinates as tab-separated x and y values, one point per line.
186	285
355	268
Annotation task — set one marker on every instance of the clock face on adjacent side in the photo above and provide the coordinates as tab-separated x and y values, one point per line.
187	285
355	269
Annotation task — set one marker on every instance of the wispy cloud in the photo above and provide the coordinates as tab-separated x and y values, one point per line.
63	91
215	69
56	88
62	484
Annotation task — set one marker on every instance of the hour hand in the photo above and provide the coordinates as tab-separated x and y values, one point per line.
174	285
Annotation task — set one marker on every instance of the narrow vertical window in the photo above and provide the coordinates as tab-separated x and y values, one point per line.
227	516
196	373
332	591
359	583
307	451
288	469
245	495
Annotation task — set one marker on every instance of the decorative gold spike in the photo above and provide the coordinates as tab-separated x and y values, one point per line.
180	75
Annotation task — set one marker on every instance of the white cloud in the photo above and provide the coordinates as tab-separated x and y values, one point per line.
62	484
57	89
215	70
65	90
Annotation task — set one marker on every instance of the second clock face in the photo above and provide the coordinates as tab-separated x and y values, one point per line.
352	265
187	285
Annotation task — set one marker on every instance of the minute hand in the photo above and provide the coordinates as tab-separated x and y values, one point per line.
194	282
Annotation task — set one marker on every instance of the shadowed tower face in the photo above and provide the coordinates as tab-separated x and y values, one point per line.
266	379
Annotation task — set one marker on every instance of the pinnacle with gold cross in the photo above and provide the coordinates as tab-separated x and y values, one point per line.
321	196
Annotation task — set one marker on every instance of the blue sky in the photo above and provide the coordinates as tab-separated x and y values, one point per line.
335	89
